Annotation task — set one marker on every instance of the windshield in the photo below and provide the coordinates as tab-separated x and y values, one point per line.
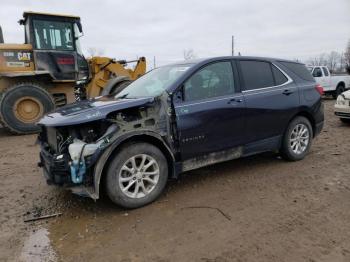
154	82
53	35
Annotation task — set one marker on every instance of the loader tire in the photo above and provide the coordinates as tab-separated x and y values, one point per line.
22	106
119	87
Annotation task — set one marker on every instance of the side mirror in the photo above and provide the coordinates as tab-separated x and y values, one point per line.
178	95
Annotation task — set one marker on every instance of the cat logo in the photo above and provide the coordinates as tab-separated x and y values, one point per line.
23	56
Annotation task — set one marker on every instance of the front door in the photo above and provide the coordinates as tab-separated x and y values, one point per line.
210	117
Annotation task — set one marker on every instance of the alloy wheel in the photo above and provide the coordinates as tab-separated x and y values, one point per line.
299	139
139	176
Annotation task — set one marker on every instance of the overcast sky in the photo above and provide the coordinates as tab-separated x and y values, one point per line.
163	28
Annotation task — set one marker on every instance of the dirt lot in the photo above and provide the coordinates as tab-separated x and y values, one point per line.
267	210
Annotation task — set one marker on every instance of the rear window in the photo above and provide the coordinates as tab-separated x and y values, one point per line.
256	74
280	78
325	71
298	69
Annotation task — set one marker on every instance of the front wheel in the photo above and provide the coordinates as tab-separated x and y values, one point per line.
345	120
297	139
120	87
22	105
136	175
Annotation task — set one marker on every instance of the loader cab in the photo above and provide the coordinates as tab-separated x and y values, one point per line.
56	47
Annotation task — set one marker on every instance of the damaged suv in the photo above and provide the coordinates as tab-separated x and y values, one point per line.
177	118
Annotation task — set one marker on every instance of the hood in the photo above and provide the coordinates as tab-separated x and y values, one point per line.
90	110
346	94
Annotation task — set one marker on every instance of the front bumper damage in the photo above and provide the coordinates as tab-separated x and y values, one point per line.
57	171
75	146
73	169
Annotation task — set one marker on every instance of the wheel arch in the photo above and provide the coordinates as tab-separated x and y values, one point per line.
147	137
341	83
308	116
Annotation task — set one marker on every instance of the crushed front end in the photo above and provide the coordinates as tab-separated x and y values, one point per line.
75	137
68	154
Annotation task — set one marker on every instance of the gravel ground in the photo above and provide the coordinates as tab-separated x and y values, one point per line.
258	208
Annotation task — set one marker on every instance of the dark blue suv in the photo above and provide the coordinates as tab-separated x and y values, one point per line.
177	118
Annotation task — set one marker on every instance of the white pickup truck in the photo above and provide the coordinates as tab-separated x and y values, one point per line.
332	84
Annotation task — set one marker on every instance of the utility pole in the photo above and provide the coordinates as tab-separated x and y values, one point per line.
233	45
154	62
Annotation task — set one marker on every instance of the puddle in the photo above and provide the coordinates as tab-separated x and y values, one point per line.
37	248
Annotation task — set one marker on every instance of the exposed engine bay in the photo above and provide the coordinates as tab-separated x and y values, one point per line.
70	152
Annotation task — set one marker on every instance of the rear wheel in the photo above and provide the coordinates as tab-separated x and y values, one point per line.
297	139
137	175
22	106
340	89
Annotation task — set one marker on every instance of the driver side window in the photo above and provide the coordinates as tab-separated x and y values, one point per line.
211	81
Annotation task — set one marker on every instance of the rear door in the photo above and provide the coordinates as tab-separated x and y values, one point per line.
210	116
271	99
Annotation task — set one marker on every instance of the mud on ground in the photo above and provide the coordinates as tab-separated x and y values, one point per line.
261	209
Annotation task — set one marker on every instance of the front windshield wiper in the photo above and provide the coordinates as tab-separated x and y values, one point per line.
123	96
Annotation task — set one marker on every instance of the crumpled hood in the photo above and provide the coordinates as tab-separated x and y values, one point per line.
90	110
346	94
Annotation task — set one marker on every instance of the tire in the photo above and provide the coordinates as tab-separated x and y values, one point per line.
340	89
290	149
345	120
22	106
121	168
119	87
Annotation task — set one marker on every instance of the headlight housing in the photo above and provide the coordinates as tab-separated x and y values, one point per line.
341	100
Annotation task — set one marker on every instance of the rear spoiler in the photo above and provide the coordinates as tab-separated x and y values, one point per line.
1	36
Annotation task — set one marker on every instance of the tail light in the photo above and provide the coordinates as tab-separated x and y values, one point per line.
319	89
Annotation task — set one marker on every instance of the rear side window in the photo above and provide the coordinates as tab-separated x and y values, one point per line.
280	78
256	74
325	71
298	69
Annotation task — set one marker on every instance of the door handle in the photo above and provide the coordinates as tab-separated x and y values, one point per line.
235	100
287	92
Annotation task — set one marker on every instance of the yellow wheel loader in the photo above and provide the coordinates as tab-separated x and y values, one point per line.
49	71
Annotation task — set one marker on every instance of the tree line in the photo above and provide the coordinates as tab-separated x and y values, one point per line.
336	61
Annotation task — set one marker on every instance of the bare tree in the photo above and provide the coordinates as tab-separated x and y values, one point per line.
189	54
347	57
333	60
92	51
318	60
